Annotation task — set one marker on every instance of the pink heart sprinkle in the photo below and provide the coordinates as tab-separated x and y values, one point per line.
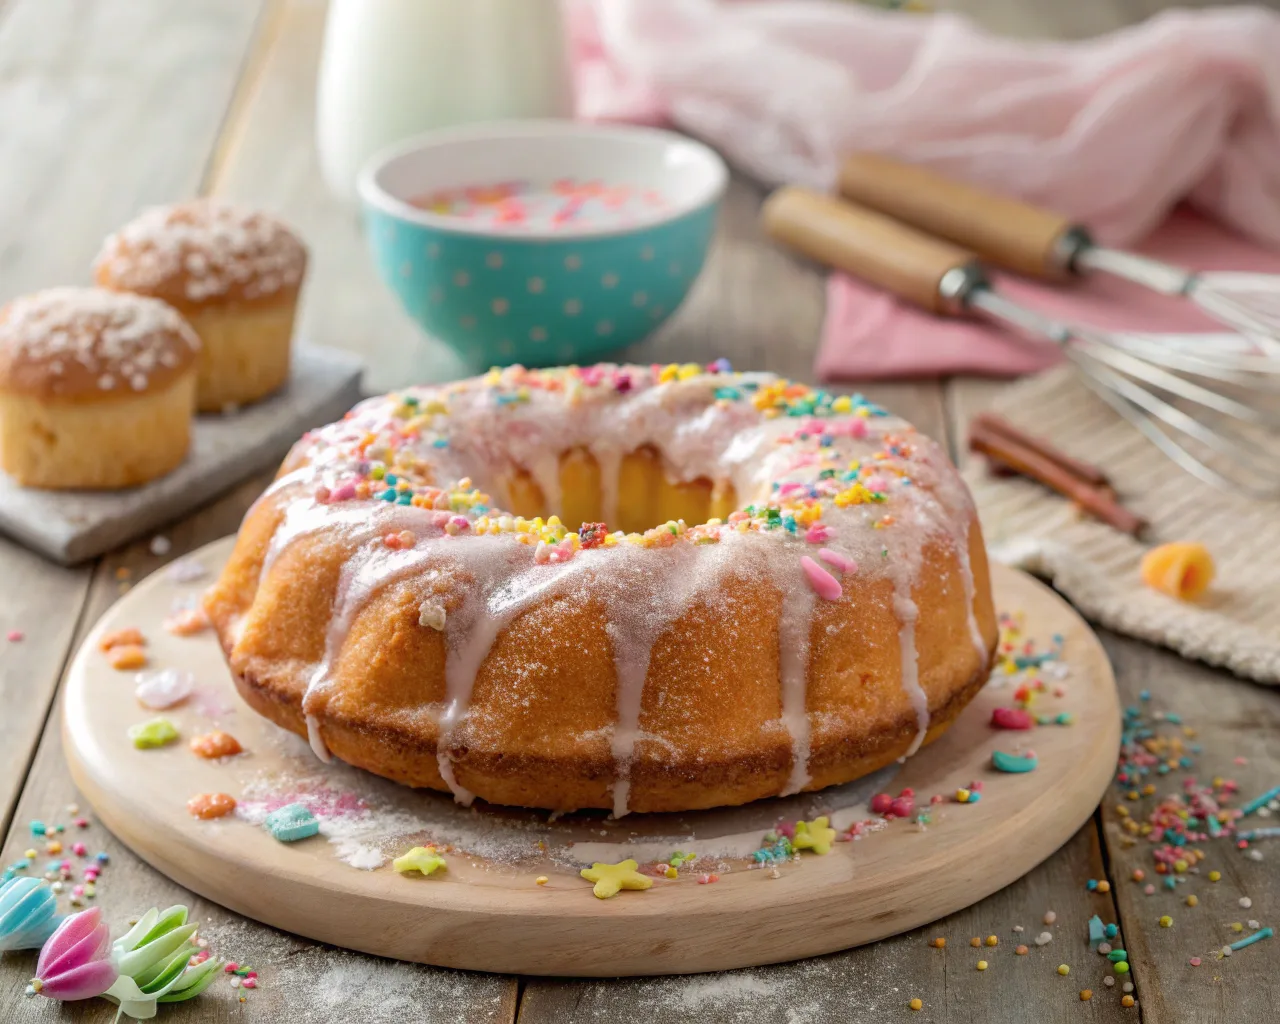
838	561
1011	718
824	584
818	533
1195	961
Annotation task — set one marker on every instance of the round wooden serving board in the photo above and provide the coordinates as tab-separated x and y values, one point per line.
486	912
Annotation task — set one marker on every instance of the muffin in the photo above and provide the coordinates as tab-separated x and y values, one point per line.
97	388
233	272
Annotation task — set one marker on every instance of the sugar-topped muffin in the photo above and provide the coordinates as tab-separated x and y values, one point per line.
233	272
97	388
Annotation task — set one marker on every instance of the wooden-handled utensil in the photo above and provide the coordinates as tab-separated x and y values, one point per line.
1013	234
1133	373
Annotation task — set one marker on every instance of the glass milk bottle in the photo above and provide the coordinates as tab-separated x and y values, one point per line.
391	69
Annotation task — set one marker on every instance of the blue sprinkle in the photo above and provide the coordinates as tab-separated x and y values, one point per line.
291	823
1249	940
405	499
1169	882
974	796
1144	695
1091	885
1171	717
38	828
440	442
1184	762
1095	924
102	858
722	365
389	480
1111	931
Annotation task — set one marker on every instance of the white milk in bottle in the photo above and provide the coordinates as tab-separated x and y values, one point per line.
391	69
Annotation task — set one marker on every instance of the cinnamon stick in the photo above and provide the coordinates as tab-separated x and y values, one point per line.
1098	501
1076	467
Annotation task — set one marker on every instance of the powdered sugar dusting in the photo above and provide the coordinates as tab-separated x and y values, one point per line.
213	245
117	339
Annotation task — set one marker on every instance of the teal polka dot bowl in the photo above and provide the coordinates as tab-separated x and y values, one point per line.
542	294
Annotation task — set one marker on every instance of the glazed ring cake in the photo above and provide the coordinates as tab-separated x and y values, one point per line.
748	588
234	272
97	389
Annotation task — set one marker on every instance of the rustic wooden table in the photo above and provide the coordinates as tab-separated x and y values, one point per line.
113	104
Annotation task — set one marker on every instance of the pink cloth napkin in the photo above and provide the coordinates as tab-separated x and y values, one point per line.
868	334
1114	132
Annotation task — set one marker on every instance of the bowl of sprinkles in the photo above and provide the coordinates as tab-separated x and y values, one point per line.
541	242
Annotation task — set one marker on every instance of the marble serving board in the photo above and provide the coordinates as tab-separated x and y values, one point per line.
70	526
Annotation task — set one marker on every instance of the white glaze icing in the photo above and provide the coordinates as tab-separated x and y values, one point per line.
644	590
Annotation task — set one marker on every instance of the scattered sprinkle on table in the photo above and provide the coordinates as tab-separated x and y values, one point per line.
1086	994
1064	970
1166	921
975	941
207	806
1021	950
1050	917
916	1004
15	636
423	859
216	744
1044	938
610	879
938	943
157	732
1013	763
1127	1001
982	965
291	823
1245	903
1257	936
541	880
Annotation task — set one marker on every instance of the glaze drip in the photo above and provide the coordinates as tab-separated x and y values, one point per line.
394	481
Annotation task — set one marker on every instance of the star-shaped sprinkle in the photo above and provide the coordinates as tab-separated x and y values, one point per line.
420	858
611	878
816	835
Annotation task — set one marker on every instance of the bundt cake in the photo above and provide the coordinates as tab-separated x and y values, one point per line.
747	588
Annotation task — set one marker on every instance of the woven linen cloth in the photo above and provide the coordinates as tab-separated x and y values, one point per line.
1235	624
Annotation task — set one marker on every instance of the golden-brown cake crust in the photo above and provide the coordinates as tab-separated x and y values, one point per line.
202	253
90	344
333	630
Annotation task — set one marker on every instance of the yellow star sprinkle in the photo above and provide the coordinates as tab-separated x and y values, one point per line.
420	858
814	835
610	878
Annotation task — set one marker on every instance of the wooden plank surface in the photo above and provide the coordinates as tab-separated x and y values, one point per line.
1232	719
299	980
74	78
108	106
76	160
877	982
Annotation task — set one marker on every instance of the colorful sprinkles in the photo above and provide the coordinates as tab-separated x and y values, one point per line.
382	466
523	206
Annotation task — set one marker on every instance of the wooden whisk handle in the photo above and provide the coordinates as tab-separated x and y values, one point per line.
871	246
1004	232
